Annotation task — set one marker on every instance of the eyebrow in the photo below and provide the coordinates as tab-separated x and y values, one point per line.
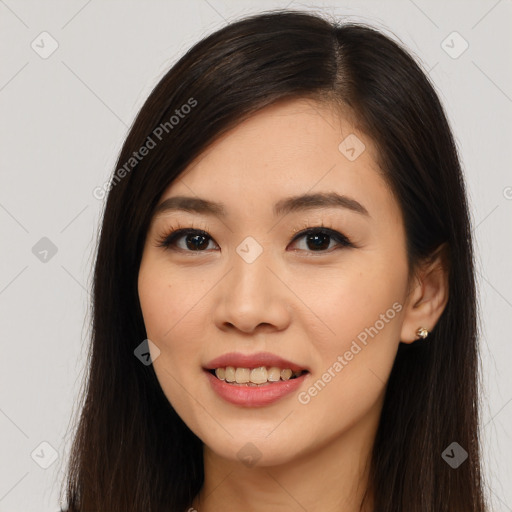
303	202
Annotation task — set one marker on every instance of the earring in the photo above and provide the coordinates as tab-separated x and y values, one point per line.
422	332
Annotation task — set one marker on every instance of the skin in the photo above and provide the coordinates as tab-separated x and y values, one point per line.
304	305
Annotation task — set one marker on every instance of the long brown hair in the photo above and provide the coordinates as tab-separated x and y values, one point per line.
131	451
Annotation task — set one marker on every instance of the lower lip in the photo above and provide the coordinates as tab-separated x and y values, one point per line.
254	396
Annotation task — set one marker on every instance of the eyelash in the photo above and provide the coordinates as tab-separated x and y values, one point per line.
168	239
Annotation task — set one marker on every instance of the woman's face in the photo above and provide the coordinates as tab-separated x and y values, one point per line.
329	302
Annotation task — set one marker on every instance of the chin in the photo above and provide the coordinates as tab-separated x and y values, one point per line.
256	450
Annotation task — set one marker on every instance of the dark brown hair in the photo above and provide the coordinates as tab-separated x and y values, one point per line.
131	451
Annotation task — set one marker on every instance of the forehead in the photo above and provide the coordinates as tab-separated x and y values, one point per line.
289	149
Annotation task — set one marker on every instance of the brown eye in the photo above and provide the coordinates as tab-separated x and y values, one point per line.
193	240
319	239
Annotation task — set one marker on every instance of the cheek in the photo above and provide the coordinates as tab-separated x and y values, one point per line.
359	305
171	309
350	300
170	302
366	302
354	364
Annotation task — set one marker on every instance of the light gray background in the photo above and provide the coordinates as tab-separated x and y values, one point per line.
63	120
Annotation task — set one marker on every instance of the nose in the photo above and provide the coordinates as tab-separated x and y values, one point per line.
252	298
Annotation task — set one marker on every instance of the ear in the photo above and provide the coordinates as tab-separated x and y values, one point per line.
428	295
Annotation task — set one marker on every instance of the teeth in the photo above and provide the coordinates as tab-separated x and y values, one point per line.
274	374
258	375
230	374
255	376
286	374
242	375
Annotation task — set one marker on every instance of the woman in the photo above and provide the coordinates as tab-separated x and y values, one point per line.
284	297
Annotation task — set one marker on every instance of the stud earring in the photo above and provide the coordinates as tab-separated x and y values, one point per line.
422	332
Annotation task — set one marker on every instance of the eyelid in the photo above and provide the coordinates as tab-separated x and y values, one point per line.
167	239
173	233
342	241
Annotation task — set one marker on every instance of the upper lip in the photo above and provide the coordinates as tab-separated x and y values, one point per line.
239	360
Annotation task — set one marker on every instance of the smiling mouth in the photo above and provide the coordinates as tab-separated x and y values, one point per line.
260	376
